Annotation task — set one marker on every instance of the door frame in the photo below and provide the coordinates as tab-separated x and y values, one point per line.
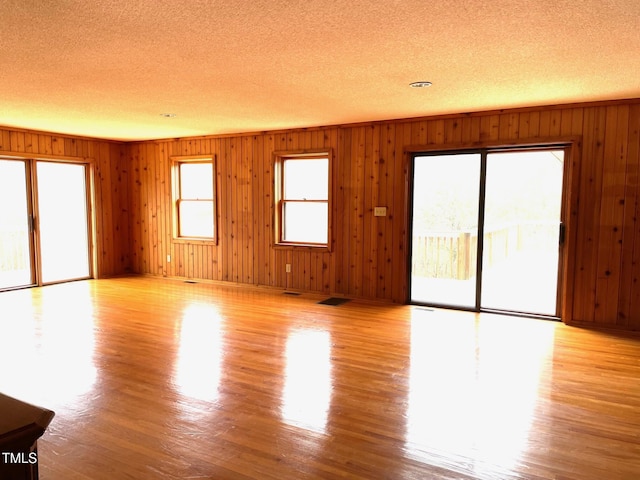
31	179
572	146
29	201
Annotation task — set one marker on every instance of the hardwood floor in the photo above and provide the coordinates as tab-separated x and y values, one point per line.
160	379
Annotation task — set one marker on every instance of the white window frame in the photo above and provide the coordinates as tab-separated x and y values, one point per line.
280	158
177	197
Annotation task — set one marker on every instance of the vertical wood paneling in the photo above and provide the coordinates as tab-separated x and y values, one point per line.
385	224
248	252
120	217
17	142
44	145
269	267
257	201
330	140
633	266
342	216
31	139
523	125
452	130
110	188
236	209
148	189
373	180
398	290
5	140
611	212
357	213
591	165
135	187
105	242
368	253
627	302
226	198
164	197
544	125
57	145
154	207
368	246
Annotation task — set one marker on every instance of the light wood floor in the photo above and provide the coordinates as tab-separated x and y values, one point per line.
155	379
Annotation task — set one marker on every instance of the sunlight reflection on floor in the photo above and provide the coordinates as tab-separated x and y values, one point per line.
473	393
199	360
306	397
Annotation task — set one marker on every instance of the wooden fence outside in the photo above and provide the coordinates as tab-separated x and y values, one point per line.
14	251
453	255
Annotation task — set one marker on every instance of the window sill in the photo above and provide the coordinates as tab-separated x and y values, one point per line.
301	246
194	241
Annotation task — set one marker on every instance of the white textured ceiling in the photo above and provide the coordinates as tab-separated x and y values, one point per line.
109	68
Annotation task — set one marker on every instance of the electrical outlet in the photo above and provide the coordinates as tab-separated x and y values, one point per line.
380	211
287	268
168	258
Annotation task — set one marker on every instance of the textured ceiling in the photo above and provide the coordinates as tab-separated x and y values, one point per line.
109	68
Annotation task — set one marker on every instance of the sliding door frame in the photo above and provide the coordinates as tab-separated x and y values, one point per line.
28	180
569	202
88	184
31	179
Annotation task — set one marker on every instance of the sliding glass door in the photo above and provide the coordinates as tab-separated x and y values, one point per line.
521	232
486	228
445	226
63	225
16	245
44	222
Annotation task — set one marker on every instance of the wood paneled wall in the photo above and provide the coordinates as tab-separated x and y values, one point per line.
110	187
368	254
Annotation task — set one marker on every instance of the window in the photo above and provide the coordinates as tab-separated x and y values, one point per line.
193	190
302	193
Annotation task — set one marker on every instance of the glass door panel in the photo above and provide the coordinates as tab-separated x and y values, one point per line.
15	234
521	226
445	226
63	224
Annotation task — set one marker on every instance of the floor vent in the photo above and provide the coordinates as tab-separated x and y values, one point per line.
334	301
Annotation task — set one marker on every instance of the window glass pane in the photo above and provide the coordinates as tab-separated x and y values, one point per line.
196	219
305	222
306	179
522	218
196	180
15	251
64	240
445	229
